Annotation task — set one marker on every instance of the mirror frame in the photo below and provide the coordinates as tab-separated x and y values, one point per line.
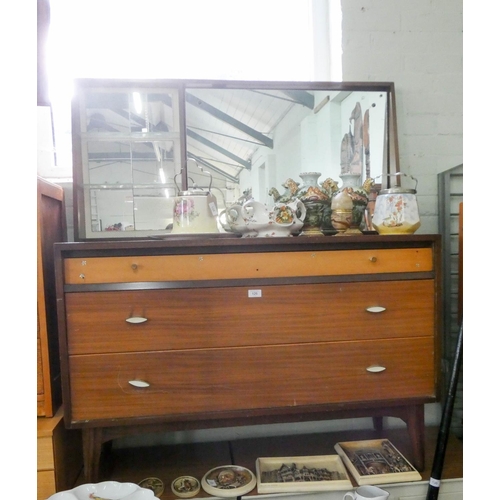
85	85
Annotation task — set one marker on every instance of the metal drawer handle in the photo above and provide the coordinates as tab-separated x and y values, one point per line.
136	320
375	309
138	383
375	369
372	259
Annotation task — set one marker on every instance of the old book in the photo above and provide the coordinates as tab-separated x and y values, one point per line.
376	462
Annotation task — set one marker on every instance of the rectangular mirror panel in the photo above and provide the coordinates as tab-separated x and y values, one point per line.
129	155
254	139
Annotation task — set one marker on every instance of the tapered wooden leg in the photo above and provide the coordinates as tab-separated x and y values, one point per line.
378	423
416	430
92	446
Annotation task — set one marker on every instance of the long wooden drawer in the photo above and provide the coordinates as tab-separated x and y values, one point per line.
242	316
232	379
197	267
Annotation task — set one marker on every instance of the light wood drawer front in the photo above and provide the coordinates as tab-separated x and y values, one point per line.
225	317
247	265
213	380
45	453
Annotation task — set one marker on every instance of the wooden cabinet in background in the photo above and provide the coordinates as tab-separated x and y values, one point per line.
51	228
59	456
190	333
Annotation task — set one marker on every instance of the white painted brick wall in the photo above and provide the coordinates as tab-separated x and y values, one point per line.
417	44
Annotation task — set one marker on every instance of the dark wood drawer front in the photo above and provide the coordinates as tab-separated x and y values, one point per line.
228	317
211	380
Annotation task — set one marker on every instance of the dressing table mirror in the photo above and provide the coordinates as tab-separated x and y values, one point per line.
137	143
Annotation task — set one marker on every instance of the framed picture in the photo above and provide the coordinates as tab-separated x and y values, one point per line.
376	462
299	474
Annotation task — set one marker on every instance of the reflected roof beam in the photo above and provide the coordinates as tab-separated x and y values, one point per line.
220	115
219	171
134	155
129	115
301	97
141	122
212	145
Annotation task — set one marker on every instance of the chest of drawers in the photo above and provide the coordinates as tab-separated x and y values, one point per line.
189	333
59	455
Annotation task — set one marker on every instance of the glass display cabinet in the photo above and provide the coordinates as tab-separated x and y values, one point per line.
138	143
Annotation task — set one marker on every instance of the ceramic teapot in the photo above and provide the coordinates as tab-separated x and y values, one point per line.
195	211
232	219
314	197
254	219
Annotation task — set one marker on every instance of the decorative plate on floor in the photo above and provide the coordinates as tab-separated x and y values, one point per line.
228	481
186	486
154	484
107	490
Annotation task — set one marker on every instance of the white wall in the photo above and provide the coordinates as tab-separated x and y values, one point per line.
418	46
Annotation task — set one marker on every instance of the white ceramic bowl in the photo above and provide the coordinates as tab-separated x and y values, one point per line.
107	490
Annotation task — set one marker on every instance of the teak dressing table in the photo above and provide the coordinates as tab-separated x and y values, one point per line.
190	333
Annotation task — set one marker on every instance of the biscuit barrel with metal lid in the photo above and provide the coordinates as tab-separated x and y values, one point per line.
396	209
195	210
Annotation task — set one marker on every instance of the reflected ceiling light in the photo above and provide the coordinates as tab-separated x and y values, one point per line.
163	181
157	151
137	102
162	175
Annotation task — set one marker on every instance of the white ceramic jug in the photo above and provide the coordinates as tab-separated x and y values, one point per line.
367	493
